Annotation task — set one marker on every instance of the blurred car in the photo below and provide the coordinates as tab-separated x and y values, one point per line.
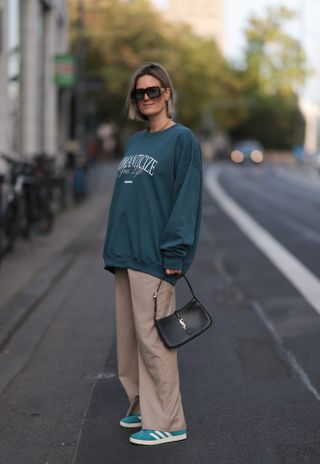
247	151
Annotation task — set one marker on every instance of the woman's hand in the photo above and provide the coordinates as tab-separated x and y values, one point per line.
173	271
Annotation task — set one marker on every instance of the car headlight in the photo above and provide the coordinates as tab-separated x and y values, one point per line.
237	156
256	156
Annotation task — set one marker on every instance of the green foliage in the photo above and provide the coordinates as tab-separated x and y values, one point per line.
273	120
259	100
275	68
275	61
121	35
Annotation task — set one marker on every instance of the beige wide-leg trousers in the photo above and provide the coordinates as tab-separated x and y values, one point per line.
148	370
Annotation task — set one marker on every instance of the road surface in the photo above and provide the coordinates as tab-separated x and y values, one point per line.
250	384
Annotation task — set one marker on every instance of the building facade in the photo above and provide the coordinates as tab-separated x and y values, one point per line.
311	113
206	17
33	114
3	75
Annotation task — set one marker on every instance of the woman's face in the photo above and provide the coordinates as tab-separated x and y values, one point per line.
155	106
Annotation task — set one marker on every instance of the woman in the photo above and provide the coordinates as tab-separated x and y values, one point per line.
152	234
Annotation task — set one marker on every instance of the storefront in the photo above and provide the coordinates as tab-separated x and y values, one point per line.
4	97
14	75
33	119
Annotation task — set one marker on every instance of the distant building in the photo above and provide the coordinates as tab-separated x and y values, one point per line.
206	17
33	116
311	113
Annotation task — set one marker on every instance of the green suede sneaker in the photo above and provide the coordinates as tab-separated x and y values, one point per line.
155	437
131	422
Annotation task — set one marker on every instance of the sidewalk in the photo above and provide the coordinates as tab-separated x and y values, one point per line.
28	273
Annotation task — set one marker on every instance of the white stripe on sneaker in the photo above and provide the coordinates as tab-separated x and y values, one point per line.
161	435
168	434
156	440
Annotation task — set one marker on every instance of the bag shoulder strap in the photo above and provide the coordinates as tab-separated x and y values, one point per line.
155	295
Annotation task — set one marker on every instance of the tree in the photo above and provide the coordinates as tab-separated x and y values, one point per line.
275	67
121	35
275	60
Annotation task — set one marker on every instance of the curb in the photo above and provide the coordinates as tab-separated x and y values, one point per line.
20	306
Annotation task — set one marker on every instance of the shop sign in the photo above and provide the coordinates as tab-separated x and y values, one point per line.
65	70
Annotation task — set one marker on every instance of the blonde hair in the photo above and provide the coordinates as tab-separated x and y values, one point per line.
157	71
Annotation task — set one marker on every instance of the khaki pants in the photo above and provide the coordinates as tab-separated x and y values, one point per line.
148	371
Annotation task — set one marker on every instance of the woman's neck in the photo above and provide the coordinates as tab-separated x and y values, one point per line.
159	124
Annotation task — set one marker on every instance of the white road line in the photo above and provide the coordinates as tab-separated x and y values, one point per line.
298	274
291	359
283	260
288	220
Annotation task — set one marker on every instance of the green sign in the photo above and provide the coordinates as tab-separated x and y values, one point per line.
65	70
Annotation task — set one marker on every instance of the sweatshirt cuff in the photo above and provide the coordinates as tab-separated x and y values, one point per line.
172	262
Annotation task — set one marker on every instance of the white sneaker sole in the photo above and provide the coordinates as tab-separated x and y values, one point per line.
135	425
160	441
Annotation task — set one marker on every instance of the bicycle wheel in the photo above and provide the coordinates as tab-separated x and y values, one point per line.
44	223
45	216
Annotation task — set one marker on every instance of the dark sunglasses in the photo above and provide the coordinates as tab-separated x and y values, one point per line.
152	92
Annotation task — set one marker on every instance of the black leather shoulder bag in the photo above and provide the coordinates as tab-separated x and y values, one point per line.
184	324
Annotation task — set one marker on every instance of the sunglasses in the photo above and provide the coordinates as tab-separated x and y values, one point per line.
152	92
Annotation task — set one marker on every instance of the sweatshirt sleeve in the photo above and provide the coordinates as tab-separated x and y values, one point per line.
179	233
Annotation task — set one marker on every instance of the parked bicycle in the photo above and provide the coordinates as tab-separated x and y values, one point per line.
6	235
56	183
26	203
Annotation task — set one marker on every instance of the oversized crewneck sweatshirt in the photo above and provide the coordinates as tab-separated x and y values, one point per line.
155	212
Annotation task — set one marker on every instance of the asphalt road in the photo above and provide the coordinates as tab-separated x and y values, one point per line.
249	384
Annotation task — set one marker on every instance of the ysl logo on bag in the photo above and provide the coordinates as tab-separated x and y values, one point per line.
192	314
184	325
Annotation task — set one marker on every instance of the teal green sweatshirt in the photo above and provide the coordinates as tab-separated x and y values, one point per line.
155	211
